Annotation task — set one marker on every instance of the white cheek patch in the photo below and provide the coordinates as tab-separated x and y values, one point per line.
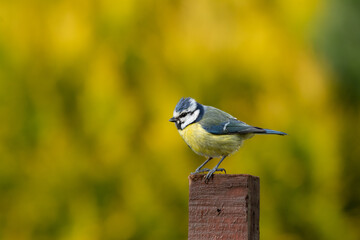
190	118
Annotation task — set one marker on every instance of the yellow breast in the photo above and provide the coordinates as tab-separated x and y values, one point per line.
210	145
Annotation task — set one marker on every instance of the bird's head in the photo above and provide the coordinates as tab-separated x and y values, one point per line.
187	111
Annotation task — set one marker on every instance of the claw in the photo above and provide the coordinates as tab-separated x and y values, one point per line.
200	171
211	172
207	177
215	169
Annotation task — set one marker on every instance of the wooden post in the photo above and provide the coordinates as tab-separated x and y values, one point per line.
227	207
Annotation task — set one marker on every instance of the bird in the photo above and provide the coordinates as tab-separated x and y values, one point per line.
211	132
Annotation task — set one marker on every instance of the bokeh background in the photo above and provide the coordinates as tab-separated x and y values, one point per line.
87	88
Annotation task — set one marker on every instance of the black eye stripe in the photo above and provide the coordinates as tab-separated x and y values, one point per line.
183	114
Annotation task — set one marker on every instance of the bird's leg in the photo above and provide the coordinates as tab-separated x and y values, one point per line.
200	170
215	169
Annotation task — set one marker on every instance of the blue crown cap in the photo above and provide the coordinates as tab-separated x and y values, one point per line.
183	104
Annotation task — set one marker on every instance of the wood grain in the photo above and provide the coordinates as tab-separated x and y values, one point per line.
227	207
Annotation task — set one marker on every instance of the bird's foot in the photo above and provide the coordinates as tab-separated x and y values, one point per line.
200	171
211	172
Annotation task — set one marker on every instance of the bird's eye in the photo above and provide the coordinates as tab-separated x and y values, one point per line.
183	115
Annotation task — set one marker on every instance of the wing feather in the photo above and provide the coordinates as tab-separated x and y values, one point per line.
219	122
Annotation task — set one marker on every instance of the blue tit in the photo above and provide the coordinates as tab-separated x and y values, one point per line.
211	132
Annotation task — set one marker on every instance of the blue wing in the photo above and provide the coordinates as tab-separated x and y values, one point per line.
232	126
218	122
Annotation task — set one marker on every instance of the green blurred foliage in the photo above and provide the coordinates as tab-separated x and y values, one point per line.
87	87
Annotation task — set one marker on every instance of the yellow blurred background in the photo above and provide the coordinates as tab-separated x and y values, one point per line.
87	88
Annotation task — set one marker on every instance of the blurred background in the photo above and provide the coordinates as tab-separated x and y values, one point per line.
87	88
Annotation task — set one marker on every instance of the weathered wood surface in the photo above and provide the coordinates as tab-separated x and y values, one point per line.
227	207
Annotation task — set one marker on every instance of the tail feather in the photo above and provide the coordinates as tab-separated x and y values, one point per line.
269	131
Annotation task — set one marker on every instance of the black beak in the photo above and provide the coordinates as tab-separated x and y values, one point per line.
172	119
